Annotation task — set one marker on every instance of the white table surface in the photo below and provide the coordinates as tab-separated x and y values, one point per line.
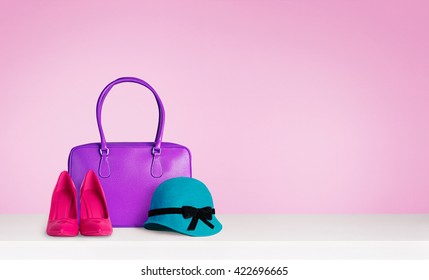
243	237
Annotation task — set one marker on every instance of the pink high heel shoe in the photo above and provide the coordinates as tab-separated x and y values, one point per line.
63	214
94	216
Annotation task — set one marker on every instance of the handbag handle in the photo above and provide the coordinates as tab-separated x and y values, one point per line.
104	150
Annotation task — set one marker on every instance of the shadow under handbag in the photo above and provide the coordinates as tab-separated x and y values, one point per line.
129	171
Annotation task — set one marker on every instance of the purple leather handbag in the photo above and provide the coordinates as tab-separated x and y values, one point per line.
129	172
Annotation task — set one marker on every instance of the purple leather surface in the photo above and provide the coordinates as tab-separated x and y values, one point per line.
129	172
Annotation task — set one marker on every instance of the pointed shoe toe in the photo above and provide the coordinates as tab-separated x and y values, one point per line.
63	227
96	227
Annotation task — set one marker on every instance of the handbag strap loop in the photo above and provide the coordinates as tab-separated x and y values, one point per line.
161	118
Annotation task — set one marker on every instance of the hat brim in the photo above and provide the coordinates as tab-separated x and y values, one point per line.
176	222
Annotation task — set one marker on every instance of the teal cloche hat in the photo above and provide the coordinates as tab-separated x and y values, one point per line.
184	205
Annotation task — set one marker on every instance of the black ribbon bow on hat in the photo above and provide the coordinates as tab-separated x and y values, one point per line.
204	214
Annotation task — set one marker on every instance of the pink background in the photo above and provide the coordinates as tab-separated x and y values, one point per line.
287	106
